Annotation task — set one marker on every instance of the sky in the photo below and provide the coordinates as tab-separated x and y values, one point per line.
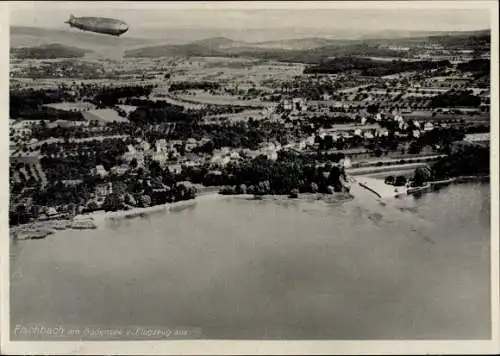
234	15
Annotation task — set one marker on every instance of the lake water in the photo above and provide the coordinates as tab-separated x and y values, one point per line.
412	269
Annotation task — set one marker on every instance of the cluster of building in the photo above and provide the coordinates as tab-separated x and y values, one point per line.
365	105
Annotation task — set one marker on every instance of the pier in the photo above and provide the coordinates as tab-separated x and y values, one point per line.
377	187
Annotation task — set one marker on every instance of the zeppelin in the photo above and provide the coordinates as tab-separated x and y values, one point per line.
102	25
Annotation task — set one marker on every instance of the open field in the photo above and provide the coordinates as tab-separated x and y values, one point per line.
237	71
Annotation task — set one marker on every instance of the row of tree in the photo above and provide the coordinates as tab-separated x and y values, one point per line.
181	86
464	160
288	173
370	67
455	99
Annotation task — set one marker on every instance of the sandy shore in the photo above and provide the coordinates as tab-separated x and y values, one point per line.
99	218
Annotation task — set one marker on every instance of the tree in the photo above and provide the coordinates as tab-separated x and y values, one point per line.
190	193
328	142
421	176
390	180
294	194
242	189
112	202
92	205
155	169
400	181
415	147
145	201
372	109
130	200
340	144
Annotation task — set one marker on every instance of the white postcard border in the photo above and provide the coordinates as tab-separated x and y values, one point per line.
258	347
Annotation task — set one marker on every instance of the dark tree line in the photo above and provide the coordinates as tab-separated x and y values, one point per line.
50	51
108	97
455	99
369	67
479	67
290	172
161	112
181	86
42	132
466	160
27	104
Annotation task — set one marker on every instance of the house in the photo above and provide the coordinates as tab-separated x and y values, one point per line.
270	154
398	118
174	168
119	170
345	162
160	156
382	132
220	159
191	144
144	145
103	190
287	105
250	153
99	171
369	134
234	156
131	149
138	156
161	145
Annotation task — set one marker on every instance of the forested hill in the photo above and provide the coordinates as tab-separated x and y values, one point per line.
50	51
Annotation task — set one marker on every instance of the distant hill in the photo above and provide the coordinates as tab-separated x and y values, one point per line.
50	51
298	44
308	50
219	42
311	50
190	50
21	36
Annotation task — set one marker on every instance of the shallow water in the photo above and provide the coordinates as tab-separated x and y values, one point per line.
412	269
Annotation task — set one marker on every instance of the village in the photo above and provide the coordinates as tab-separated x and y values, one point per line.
88	135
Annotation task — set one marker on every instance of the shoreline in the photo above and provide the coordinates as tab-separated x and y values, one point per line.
42	229
35	229
102	216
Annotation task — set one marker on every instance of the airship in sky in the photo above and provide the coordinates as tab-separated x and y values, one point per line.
102	25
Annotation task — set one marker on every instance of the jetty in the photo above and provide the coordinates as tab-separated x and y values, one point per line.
377	187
